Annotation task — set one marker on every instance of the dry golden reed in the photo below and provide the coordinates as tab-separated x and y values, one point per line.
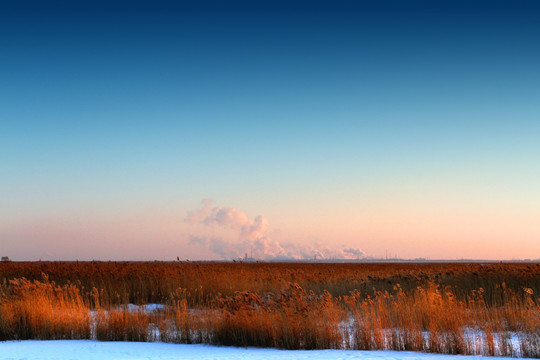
483	309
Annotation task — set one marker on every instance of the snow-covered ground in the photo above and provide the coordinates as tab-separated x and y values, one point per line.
89	349
148	308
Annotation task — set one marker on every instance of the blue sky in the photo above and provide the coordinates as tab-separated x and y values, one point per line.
324	117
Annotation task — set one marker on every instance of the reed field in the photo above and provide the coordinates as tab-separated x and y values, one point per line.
454	308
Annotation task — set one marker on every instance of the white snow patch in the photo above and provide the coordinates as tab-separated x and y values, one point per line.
90	349
147	309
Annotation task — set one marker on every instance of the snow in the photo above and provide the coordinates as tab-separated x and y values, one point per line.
90	349
148	308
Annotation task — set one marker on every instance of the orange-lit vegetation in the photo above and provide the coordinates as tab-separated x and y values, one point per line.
489	309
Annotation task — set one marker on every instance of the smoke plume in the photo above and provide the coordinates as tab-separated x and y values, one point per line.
253	237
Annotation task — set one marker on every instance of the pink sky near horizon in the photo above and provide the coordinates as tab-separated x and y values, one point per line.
153	233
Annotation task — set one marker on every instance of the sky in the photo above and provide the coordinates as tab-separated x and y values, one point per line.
142	130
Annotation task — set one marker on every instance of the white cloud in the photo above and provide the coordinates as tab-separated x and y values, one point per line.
253	238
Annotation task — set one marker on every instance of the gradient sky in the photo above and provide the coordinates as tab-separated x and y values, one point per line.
411	127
